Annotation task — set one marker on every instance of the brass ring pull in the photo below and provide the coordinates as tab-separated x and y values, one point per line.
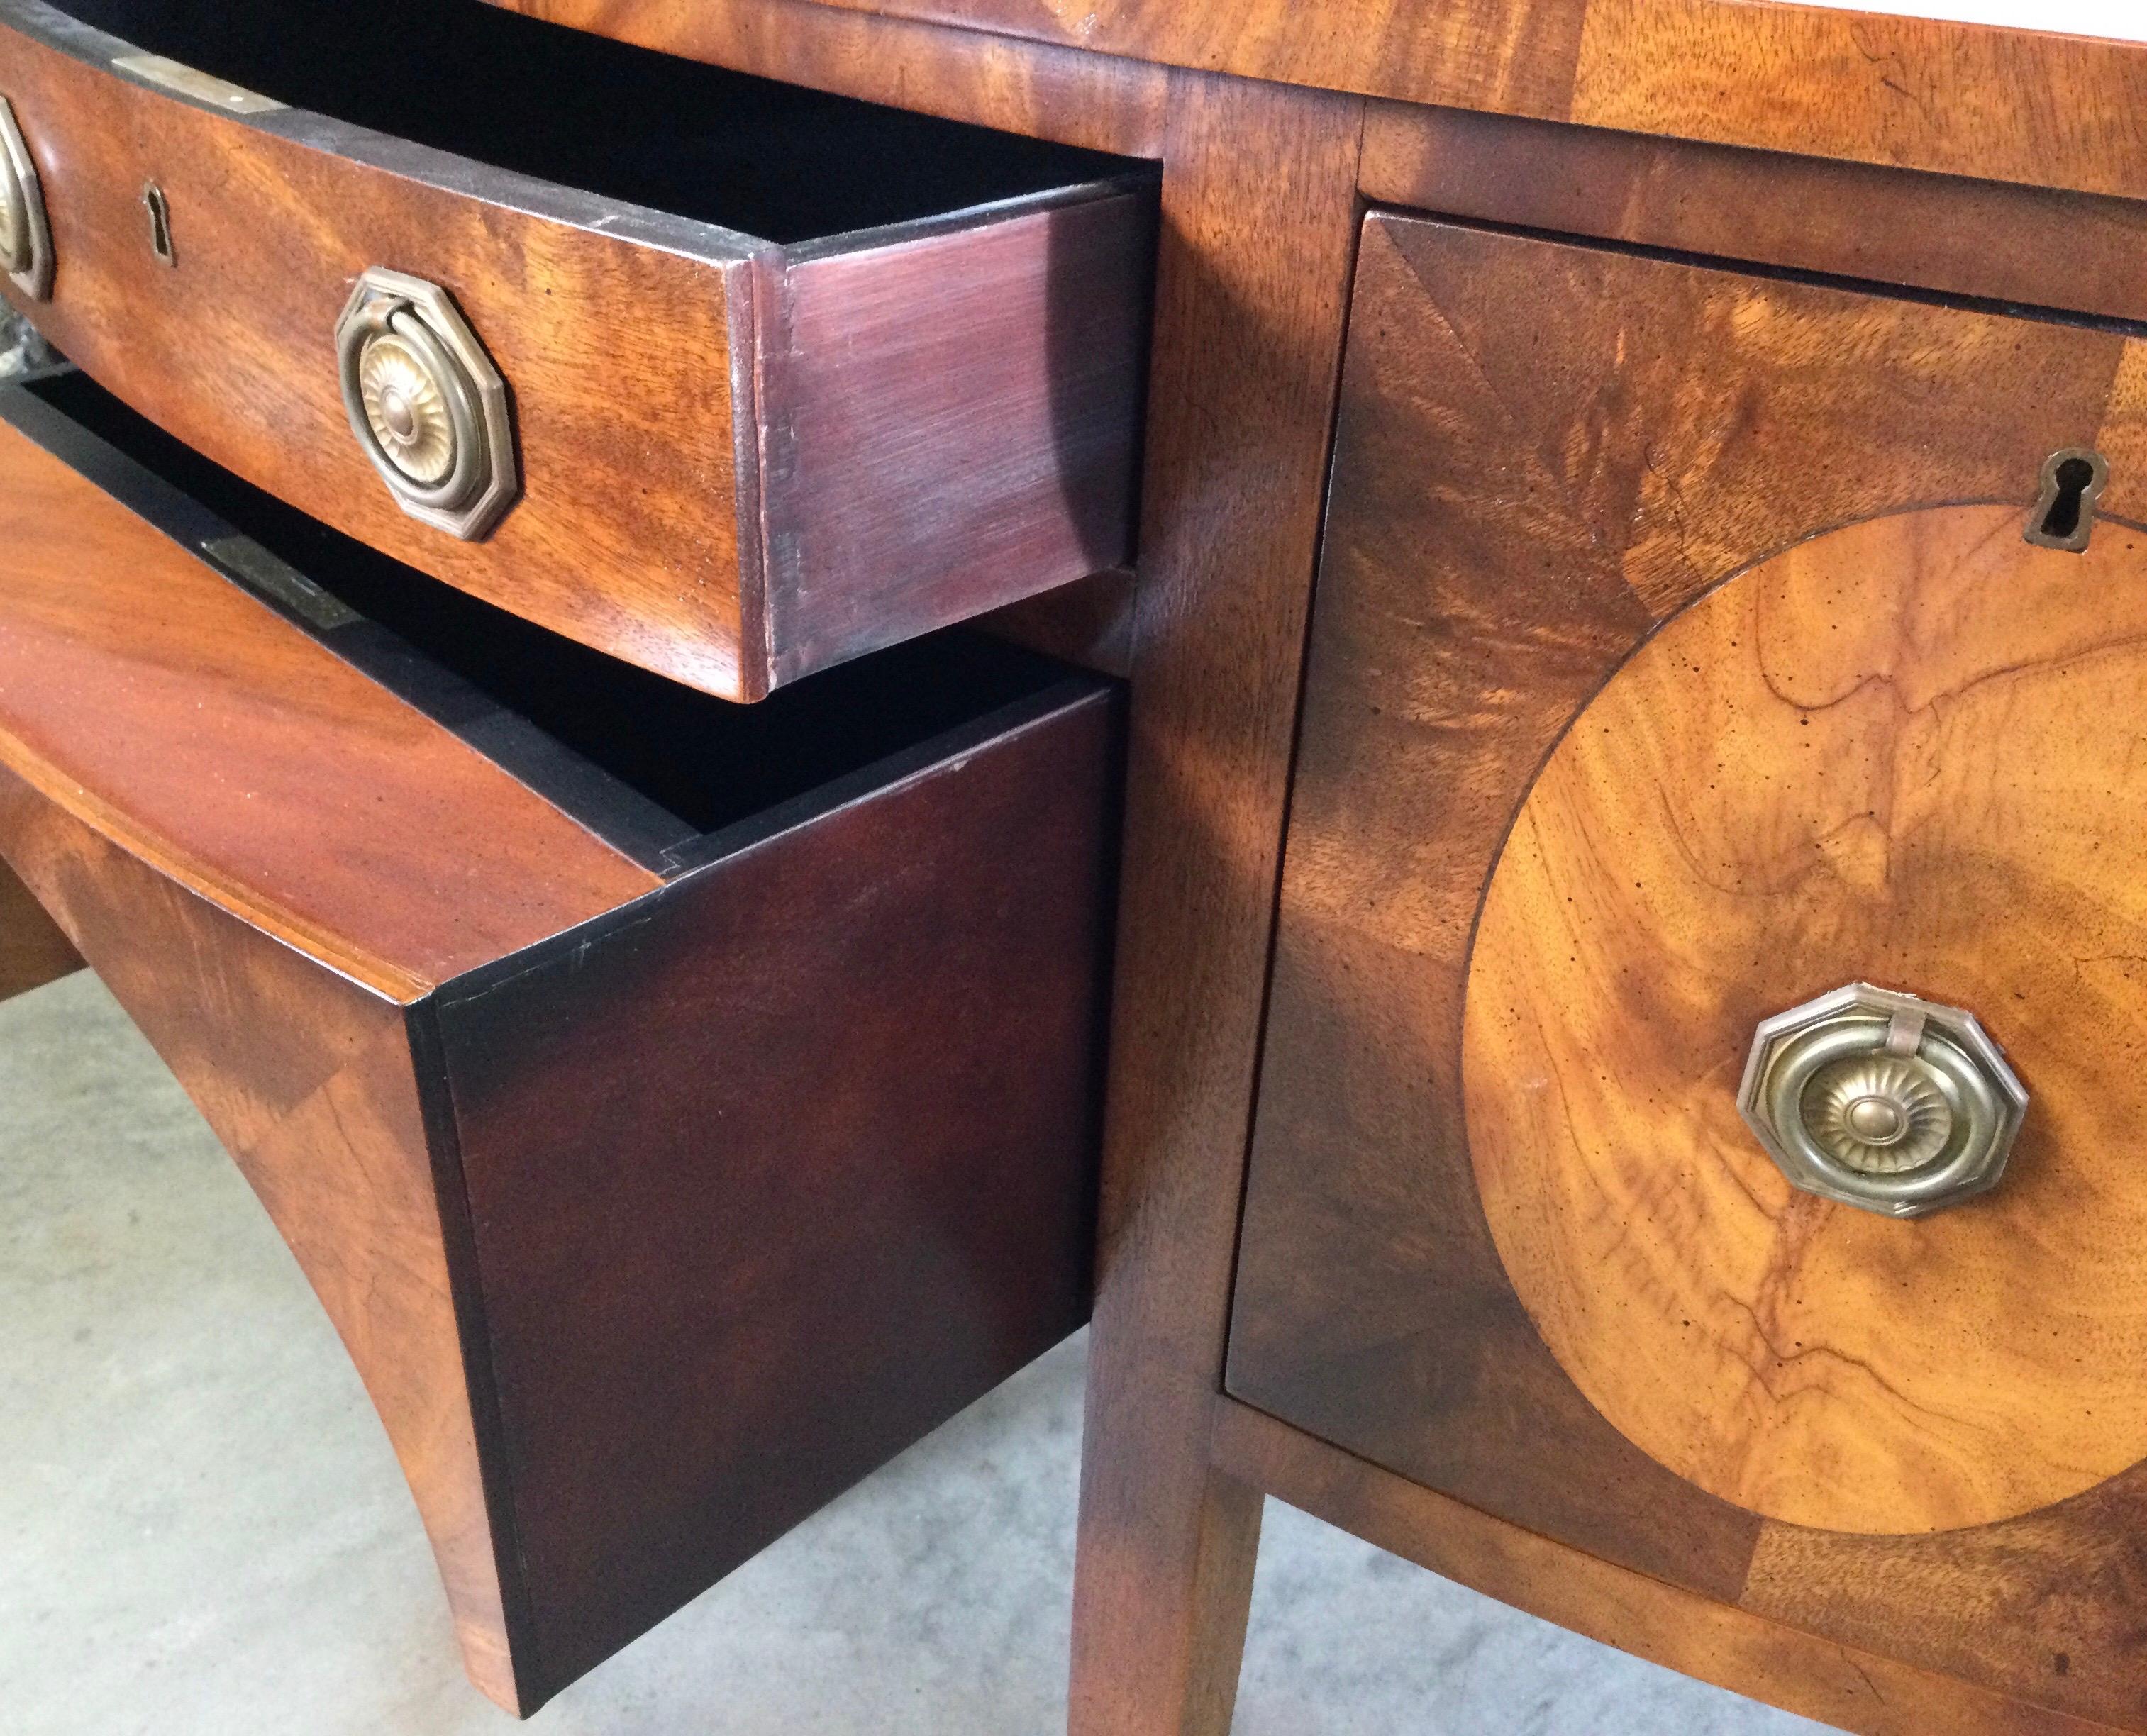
426	405
26	241
1882	1100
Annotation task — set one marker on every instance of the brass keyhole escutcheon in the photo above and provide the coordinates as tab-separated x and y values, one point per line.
26	241
426	405
1882	1100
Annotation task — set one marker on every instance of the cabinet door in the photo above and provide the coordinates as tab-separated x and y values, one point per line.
1690	644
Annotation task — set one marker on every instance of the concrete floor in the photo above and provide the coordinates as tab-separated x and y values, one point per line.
203	1532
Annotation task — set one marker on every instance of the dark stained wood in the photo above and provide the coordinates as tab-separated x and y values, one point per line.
957	360
306	1077
1060	93
151	697
655	1212
790	1162
1511	517
1256	241
710	484
1945	232
2006	104
1853	1687
1090	621
33	951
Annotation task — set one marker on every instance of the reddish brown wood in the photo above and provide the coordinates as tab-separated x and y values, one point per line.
33	951
1978	238
1090	622
655	1212
737	463
2007	104
155	700
1257	242
777	1171
952	363
1853	1687
1509	520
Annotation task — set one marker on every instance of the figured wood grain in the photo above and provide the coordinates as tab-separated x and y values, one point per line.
2003	104
306	1077
34	950
624	452
739	462
1853	1687
155	701
1899	753
1946	233
1542	451
1252	282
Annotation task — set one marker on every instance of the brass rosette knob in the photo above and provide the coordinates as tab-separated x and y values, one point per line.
1882	1100
426	403
26	241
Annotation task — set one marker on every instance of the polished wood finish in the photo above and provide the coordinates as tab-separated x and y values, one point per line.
775	1172
1945	232
740	462
947	423
34	950
2017	1626
1850	1686
655	1211
1509	524
1253	278
1896	752
2008	105
155	701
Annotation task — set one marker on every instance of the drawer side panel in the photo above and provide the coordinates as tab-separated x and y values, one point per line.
780	1168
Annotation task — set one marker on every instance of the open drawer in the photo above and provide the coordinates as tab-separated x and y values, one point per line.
679	1107
728	378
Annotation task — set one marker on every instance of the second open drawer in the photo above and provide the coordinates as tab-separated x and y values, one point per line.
679	1107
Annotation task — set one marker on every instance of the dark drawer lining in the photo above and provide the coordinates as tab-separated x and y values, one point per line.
652	767
774	160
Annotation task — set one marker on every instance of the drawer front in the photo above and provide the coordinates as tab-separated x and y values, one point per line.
729	458
678	1115
1682	656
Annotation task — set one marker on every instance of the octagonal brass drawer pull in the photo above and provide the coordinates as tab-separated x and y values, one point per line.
1882	1100
426	403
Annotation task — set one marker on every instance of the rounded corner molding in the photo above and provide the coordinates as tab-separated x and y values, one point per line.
1882	1100
426	404
26	239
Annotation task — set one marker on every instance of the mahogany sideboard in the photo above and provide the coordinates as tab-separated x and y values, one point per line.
1622	527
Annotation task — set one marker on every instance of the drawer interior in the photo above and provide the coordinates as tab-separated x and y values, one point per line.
664	773
750	154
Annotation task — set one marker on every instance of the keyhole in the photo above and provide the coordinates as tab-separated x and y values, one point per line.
2064	514
160	223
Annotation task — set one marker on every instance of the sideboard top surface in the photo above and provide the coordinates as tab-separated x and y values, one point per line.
2032	106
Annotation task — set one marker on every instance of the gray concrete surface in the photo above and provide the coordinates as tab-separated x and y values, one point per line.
203	1534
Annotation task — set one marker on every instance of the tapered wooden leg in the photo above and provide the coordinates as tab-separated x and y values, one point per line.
33	951
1164	1577
1258	230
